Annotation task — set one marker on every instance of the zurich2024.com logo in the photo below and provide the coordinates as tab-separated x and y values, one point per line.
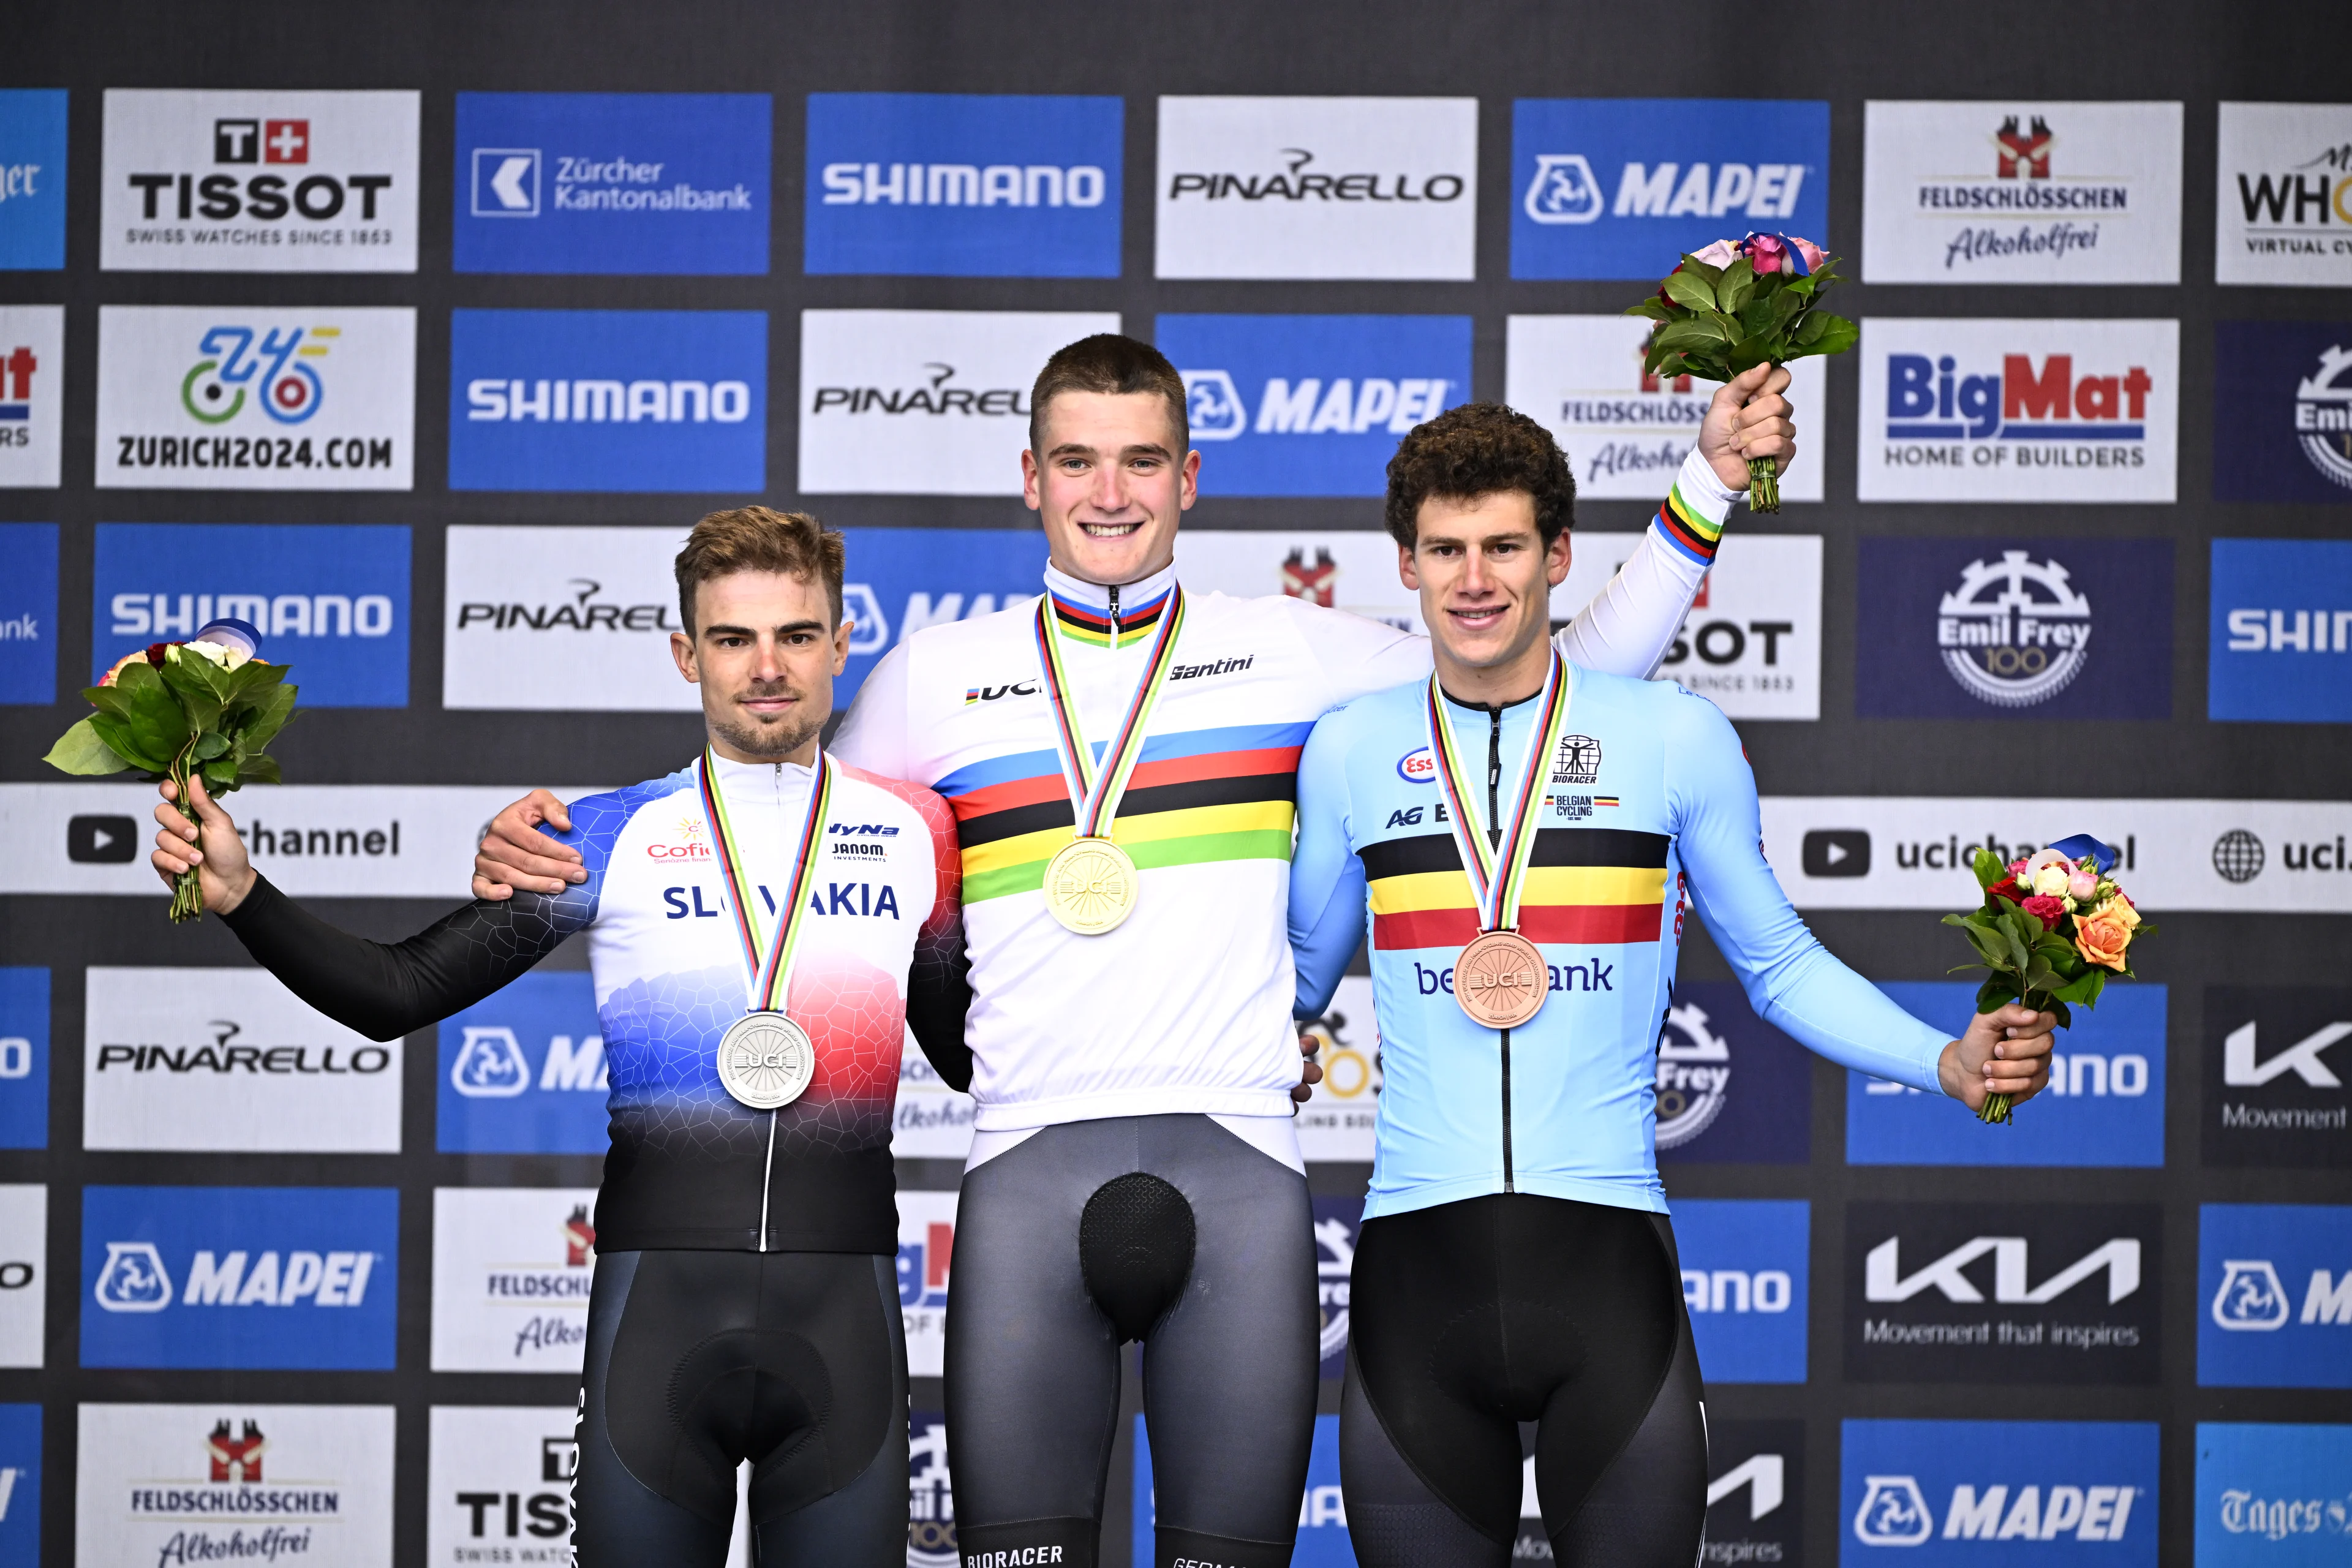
282	376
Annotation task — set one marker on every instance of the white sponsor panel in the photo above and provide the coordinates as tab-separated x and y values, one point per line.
1354	570
1625	431
2018	410
930	1121
239	397
932	402
1317	188
358	841
561	620
2283	196
229	1061
1886	852
259	182
512	1271
1342	1119
501	1487
2026	192
32	402
24	1269
233	1482
925	1255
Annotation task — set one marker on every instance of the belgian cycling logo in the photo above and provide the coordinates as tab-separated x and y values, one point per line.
1563	189
282	376
1578	761
2251	1298
490	1064
133	1278
2024	154
2016	632
1693	1075
2323	416
1893	1512
1213	405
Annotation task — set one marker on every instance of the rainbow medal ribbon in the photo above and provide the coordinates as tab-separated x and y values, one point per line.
765	1060
1499	979
1090	883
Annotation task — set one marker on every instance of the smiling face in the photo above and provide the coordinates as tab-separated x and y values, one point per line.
1485	576
765	652
1109	484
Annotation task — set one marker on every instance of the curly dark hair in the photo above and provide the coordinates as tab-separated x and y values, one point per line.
1477	449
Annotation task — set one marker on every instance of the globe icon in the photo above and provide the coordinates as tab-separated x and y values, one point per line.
2238	855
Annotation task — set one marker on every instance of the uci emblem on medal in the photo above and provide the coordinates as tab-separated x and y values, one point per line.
765	1060
1500	980
1090	886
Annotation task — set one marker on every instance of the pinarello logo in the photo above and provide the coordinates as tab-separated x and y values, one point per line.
1417	767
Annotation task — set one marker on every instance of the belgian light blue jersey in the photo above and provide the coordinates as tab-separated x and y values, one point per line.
1648	812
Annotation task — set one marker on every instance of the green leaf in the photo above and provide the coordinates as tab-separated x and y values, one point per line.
81	751
1692	333
1749	352
1687	289
118	736
209	744
1738	283
273	716
1998	992
257	770
1706	272
254	675
1649	307
2065	1015
1988	867
201	699
2084	988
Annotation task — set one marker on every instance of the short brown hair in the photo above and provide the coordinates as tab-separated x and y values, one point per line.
756	539
1480	449
1112	364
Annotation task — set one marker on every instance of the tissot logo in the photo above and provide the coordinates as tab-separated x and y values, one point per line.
2276	1280
501	1484
2283	201
2277	1058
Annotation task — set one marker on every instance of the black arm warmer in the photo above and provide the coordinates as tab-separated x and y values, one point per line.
938	994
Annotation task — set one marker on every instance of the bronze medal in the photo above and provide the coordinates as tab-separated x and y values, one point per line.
1500	980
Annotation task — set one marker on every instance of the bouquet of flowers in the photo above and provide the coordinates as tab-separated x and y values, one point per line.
2053	928
206	708
1737	304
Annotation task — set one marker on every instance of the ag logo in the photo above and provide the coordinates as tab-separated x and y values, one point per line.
215	388
2251	1298
1563	189
490	1064
1213	405
1693	1075
2015	632
2323	416
2238	855
1892	1513
133	1278
1578	761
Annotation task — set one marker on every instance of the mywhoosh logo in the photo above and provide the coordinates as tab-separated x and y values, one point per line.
32	181
2282	202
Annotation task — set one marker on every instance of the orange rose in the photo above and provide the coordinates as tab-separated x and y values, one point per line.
2103	936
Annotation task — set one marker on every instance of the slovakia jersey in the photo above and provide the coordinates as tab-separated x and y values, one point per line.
687	1159
1648	811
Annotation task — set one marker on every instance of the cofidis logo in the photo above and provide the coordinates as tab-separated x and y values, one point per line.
1963	1492
32	179
2283	411
293	1278
1312	405
611	182
608	400
1618	187
2275	1281
2281	630
1744	1271
2272	1497
523	1071
943	184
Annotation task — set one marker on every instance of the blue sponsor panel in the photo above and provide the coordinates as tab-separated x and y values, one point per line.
902	579
299	1278
2279	642
2104	1105
23	1058
28	610
2275	1295
1322	1514
2031	628
1621	187
32	179
946	185
522	1071
1744	1270
1312	405
1338	1224
2283	411
611	182
1731	1087
608	400
20	1479
1949	1494
2272	1497
331	601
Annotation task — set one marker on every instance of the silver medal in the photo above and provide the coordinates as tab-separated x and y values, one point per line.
765	1060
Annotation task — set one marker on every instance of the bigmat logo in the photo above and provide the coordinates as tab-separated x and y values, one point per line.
2269	658
259	182
1322	1510
2283	411
2018	410
24	1276
1963	1492
522	1071
611	182
2276	1071
32	179
2282	202
2272	1495
1604	187
227	1061
20	1478
1312	405
501	1484
512	1268
2040	1293
2020	193
924	402
211	1483
943	184
24	1057
2027	628
32	383
332	600
193	398
608	400
1625	431
1744	1274
926	1258
28	613
2276	1283
2104	1105
300	1279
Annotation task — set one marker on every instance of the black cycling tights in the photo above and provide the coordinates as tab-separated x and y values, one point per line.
698	1360
1469	1318
1167	1229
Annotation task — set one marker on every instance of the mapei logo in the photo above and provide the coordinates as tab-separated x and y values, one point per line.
2253	1300
135	1280
2118	1259
1308	407
491	1065
1895	1512
1565	190
2014	632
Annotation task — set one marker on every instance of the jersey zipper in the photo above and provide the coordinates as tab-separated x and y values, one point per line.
1494	836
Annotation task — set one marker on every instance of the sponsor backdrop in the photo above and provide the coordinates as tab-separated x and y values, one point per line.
419	338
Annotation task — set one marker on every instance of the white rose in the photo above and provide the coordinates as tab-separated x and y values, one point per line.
2052	880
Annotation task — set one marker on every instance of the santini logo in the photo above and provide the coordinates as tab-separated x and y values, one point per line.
2253	1299
1894	1512
134	1279
1884	1280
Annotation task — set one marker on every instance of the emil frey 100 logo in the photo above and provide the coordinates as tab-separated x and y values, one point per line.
2015	632
2323	416
1693	1075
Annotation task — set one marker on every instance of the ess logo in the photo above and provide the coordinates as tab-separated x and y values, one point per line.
1417	767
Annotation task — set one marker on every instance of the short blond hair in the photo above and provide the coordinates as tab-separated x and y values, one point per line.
759	539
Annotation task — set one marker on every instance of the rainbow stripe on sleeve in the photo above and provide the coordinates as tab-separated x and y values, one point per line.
1592	885
1687	527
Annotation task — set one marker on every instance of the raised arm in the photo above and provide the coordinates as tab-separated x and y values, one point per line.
1326	879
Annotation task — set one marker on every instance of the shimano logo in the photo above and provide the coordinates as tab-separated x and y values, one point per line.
492	400
165	614
1736	1290
964	185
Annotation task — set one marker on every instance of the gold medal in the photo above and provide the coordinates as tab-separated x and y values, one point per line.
1500	980
1090	886
765	1060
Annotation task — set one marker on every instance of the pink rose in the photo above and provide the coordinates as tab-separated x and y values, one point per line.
2045	909
1722	253
1766	252
2082	884
1811	252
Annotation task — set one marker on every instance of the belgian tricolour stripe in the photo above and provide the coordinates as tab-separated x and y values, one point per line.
1590	885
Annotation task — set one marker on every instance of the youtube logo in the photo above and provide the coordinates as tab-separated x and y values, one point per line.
102	840
1837	852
